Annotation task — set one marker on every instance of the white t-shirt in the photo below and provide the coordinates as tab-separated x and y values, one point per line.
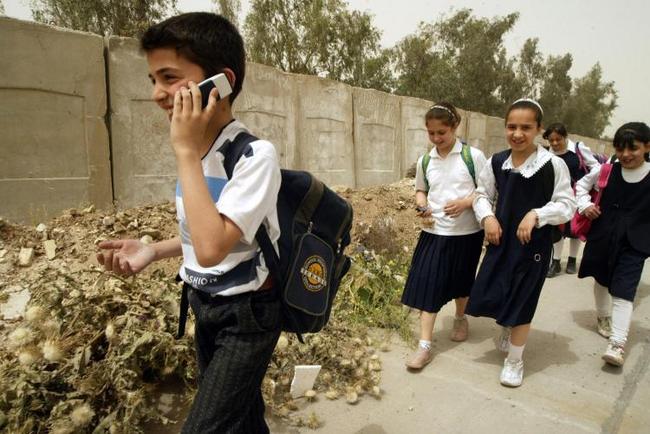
249	199
449	179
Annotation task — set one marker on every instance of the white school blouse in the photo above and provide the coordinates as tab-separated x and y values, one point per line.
449	179
588	156
559	210
590	180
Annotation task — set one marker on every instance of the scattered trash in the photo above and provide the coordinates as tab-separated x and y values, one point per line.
303	379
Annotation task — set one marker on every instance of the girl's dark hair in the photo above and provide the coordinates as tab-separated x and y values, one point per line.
527	104
555	128
443	111
629	132
206	39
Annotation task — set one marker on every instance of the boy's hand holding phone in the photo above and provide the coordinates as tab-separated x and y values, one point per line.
194	107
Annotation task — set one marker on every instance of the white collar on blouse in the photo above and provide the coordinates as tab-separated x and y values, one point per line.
571	145
532	164
456	149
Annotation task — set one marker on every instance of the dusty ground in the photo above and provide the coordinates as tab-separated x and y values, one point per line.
384	222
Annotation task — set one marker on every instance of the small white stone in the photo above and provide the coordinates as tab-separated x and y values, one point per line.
108	221
50	249
146	239
25	256
153	233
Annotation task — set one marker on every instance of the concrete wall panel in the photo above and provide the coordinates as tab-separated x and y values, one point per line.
414	133
267	106
324	124
461	131
54	144
377	137
54	148
596	145
495	136
477	130
144	170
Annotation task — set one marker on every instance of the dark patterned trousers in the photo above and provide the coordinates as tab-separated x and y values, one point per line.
235	337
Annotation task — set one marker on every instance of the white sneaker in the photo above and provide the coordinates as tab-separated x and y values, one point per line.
512	374
614	354
503	341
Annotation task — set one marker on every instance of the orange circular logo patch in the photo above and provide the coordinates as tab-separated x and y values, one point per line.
314	273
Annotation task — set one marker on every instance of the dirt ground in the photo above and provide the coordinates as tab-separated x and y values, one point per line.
33	257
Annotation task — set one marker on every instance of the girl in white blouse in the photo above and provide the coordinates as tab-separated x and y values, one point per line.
445	258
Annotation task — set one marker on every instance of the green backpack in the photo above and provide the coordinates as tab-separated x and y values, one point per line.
466	155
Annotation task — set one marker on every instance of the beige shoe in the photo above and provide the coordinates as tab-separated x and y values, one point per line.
605	326
460	330
420	359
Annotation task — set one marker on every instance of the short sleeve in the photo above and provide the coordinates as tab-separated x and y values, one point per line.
252	193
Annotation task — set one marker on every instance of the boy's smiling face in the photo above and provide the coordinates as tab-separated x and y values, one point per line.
168	72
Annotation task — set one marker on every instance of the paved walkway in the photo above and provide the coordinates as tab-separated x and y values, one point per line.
567	387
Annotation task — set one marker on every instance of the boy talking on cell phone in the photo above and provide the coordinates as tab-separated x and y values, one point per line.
230	291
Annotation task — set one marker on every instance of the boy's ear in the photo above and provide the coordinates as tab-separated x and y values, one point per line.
230	74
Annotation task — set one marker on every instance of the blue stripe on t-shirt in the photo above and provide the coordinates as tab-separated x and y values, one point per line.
215	187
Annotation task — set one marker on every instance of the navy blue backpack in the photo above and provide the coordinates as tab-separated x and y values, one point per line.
315	228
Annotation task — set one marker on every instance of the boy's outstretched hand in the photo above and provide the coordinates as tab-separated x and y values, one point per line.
526	227
190	121
493	230
125	257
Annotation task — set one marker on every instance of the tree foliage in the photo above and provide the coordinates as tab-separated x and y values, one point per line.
462	59
556	87
104	17
591	104
459	58
229	9
318	37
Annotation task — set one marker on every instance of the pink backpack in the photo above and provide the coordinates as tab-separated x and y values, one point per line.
580	224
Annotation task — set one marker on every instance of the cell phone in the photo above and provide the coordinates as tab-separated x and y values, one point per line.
220	81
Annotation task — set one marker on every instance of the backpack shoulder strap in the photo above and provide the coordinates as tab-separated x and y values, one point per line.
466	155
603	179
233	150
581	158
426	158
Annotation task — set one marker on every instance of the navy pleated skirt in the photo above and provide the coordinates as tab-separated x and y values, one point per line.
442	269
